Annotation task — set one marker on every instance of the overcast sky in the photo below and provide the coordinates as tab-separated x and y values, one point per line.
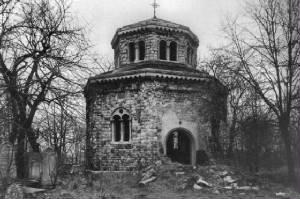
204	17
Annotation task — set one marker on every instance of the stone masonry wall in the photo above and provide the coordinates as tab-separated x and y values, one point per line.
147	101
152	47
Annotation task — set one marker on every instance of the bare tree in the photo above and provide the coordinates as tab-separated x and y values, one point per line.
265	46
62	126
219	66
41	52
257	134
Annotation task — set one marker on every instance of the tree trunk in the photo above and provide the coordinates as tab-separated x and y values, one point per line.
32	140
285	133
20	155
20	158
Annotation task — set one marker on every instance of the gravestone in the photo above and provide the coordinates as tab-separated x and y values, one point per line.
7	163
34	166
49	168
14	191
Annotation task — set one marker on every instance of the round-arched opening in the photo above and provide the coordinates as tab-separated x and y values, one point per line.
180	146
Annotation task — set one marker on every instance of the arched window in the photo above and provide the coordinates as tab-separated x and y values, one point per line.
126	122
117	128
131	52
121	126
163	50
173	51
142	50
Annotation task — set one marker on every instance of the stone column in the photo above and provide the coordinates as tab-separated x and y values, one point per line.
168	51
137	52
122	130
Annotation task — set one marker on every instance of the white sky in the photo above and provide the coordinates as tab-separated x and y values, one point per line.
204	17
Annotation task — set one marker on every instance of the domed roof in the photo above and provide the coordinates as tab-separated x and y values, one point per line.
154	23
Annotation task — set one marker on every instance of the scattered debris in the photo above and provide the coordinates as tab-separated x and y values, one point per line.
229	179
216	191
158	163
247	188
179	173
223	173
33	190
228	187
282	195
202	182
197	187
144	182
149	174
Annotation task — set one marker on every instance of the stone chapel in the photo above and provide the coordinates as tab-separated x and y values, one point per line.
154	102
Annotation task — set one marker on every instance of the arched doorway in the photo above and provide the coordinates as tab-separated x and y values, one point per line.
180	146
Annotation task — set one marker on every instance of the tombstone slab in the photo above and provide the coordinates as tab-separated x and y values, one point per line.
49	168
34	166
14	191
7	163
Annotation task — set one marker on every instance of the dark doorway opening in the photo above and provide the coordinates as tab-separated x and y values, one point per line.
179	147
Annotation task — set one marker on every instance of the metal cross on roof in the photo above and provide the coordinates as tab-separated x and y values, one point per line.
154	5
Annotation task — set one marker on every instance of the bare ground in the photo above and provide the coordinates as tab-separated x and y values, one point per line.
172	181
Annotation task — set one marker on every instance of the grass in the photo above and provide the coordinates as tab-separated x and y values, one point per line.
279	175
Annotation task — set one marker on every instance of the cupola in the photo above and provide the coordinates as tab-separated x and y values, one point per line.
155	40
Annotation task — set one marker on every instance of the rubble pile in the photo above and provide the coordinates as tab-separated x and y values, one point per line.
212	178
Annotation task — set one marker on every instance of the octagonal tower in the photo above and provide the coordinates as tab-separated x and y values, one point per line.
154	103
155	39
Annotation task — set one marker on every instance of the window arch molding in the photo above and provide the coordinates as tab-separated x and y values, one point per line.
121	126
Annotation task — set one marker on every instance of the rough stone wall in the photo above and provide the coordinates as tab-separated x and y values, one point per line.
148	102
152	47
